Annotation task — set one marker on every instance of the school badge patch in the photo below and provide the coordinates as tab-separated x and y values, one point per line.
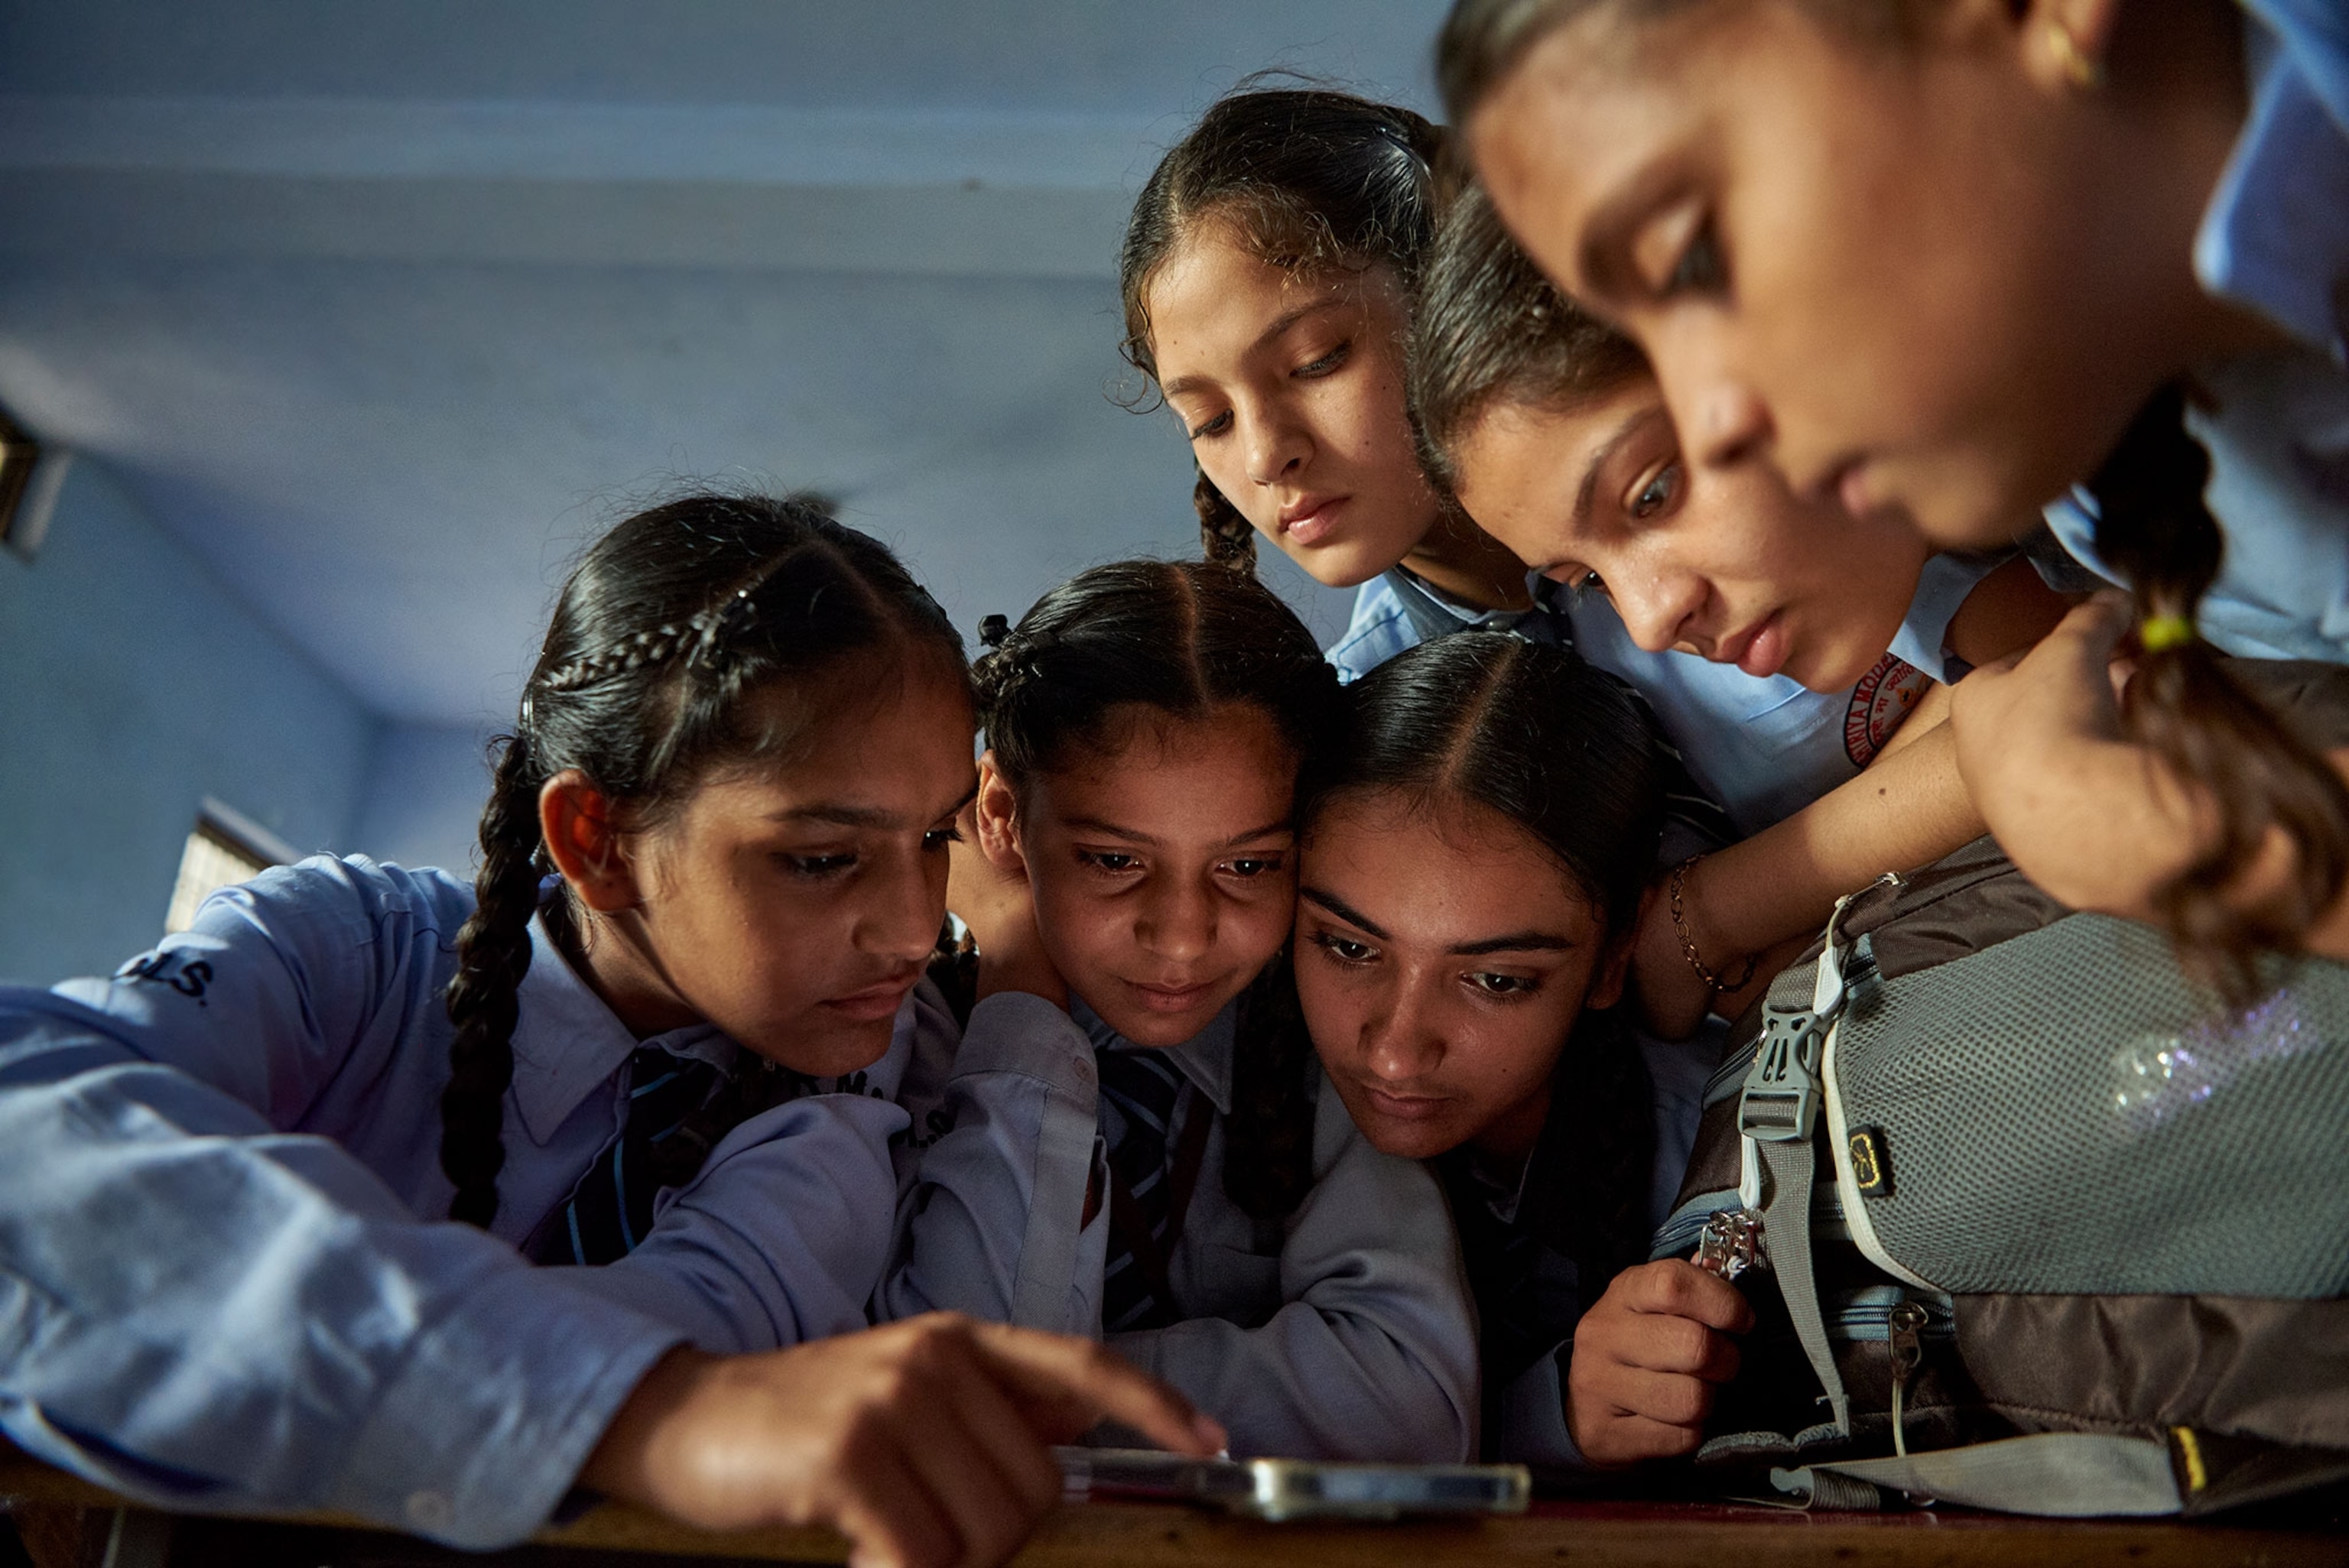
1879	703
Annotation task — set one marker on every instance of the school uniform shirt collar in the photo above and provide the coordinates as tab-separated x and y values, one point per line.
567	1043
1437	613
2275	235
1206	1059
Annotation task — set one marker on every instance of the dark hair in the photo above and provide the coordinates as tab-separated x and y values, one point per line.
667	625
1482	41
1561	749
1183	639
1313	179
1487	328
2155	529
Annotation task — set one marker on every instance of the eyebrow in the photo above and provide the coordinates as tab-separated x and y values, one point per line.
1129	835
1512	942
1588	490
1515	942
1342	910
1182	384
840	814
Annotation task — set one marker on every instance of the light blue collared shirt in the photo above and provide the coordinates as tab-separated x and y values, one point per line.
224	1283
1761	747
2275	237
1343	1331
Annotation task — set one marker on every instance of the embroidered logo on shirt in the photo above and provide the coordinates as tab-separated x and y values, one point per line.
170	969
1879	703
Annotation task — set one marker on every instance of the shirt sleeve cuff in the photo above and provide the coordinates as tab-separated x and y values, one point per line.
1533	1415
499	1405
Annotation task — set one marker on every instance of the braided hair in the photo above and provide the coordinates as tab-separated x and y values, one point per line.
1561	749
664	626
2154	529
1182	638
1314	180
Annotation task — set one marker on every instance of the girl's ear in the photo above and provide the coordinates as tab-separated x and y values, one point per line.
2065	42
1614	964
996	809
582	837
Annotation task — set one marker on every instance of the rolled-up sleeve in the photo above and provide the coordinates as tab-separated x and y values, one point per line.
204	1312
991	1225
1373	1355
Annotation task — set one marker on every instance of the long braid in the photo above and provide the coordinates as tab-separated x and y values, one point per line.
1268	1139
1226	538
493	956
2155	530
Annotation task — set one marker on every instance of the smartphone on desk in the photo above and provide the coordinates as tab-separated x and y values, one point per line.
1296	1489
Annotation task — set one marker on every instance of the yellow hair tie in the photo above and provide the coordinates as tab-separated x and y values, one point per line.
2158	633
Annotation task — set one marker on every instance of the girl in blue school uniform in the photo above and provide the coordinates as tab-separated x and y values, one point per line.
658	1034
2079	256
1474	844
1140	1145
1270	272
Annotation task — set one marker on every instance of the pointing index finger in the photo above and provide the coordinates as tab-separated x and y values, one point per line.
1079	1383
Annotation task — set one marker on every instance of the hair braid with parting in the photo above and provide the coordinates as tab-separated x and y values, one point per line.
1185	638
666	625
1313	181
1538	737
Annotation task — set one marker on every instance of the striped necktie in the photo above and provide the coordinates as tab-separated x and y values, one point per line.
1145	1094
611	1210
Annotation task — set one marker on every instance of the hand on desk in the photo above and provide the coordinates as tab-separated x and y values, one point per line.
925	1443
1646	1359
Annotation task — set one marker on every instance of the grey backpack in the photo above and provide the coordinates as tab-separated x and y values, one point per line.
2041	1227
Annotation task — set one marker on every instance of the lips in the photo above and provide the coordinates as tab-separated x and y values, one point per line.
878	1001
1310	519
1171	999
1404	1107
1760	650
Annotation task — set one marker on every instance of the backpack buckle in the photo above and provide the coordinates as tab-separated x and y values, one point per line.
1780	1102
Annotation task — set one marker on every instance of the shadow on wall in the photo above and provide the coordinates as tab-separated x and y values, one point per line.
132	688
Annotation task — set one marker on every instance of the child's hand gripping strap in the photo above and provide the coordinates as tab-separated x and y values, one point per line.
1776	1113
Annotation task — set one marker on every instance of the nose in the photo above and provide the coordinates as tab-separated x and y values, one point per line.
1277	447
1659	604
1177	920
1400	1044
908	907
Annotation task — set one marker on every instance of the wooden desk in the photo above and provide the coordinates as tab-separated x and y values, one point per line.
1150	1535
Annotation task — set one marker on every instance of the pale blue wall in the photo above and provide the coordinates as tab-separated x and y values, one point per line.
426	786
132	686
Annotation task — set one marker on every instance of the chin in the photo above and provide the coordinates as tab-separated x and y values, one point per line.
1158	1030
826	1050
1335	565
1404	1140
